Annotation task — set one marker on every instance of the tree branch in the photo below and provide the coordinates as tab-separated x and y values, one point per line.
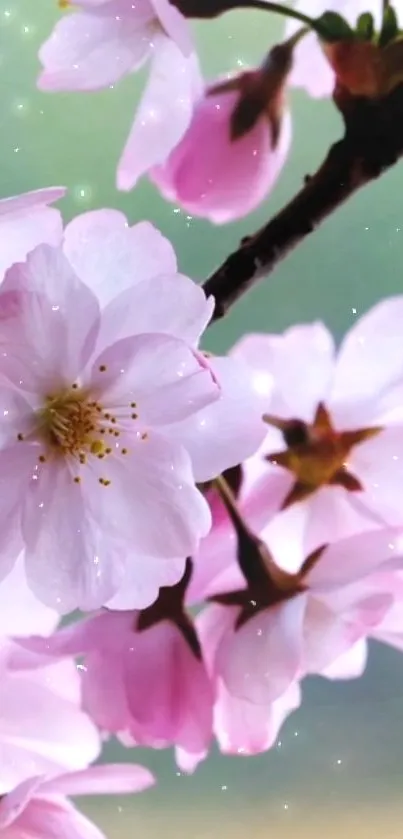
373	141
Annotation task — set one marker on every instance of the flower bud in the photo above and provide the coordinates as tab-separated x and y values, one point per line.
235	146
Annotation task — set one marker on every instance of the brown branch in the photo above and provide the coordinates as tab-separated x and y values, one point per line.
373	142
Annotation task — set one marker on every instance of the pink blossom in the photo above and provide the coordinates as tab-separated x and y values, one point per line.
143	676
42	727
212	175
118	305
311	69
95	46
335	436
27	221
88	465
38	808
241	727
260	638
64	357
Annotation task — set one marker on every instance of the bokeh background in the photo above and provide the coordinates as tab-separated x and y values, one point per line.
338	766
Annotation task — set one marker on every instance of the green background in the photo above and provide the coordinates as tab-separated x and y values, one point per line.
339	763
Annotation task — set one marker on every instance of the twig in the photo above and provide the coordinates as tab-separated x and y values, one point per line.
214	8
373	142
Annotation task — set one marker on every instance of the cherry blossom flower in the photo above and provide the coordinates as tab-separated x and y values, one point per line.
143	676
234	149
42	727
311	70
335	435
278	628
88	468
66	374
27	221
95	46
39	809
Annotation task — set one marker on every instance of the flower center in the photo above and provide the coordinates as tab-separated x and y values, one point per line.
317	453
70	424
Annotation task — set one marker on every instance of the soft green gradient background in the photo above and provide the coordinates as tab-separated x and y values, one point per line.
339	766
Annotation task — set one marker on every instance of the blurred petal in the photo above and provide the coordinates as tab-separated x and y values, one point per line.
26	221
164	112
109	779
87	51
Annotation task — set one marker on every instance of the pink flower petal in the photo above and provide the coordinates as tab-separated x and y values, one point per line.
174	24
52	819
164	113
255	351
109	779
110	257
20	612
328	515
69	562
289	554
55	321
169	304
287	358
154	483
355	558
142	580
228	431
16	468
44	734
370	360
159	373
244	728
350	665
14	803
30	200
169	693
327	636
377	465
89	51
259	661
26	221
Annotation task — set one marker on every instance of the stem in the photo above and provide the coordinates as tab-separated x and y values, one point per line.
213	8
249	547
228	497
278	9
372	143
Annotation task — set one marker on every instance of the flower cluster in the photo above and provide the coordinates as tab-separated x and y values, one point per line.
215	148
143	477
222	527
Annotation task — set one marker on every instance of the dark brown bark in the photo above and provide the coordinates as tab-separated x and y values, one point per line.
372	142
